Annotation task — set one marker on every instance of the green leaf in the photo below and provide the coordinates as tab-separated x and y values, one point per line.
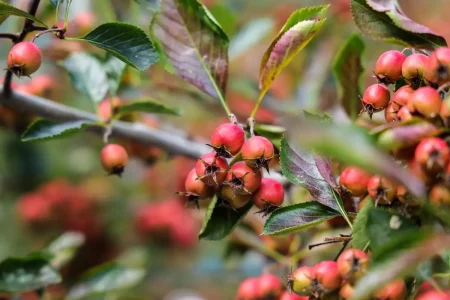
194	44
7	10
353	145
220	220
87	75
114	69
271	132
105	279
317	116
225	17
250	35
399	265
349	71
297	217
43	130
298	31
148	106
127	42
300	168
384	20
26	274
64	248
360	239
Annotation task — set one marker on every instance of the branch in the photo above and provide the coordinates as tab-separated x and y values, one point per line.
138	132
13	37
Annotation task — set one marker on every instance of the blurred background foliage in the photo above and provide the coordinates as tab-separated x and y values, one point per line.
51	187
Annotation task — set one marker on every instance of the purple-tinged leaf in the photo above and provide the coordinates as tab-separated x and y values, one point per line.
409	135
194	44
384	20
324	166
298	31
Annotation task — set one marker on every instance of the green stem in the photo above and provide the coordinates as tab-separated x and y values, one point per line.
224	104
258	102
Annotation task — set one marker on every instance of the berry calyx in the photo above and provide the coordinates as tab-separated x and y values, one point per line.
438	69
389	66
302	280
376	98
195	189
352	264
432	154
381	190
227	139
232	200
243	179
257	151
413	69
440	195
391	112
292	296
269	196
24	59
354	180
269	287
395	290
211	169
114	158
403	95
426	101
327	276
248	289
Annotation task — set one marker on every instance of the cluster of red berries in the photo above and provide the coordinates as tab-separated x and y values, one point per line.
236	185
266	286
58	204
425	77
168	222
24	59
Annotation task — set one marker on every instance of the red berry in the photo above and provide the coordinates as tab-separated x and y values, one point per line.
292	296
405	197
236	201
346	291
381	190
426	286
114	158
403	95
440	195
434	295
391	112
269	196
269	287
24	59
395	290
352	264
389	66
248	289
257	151
445	110
438	69
243	179
227	139
414	66
376	98
302	280
432	154
355	181
196	189
327	276
426	101
404	114
211	169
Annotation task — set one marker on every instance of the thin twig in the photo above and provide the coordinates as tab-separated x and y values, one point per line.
12	36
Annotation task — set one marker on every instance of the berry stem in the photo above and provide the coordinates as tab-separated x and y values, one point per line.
258	102
61	31
251	125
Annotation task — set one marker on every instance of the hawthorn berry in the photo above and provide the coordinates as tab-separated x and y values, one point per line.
195	188
269	196
24	59
389	66
269	287
432	154
403	95
426	101
391	112
381	190
243	179
235	201
227	139
211	169
346	291
438	69
434	295
302	281
445	110
440	195
327	276
248	289
396	290
354	180
352	264
114	158
413	68
405	197
376	98
404	114
292	296
257	151
426	286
